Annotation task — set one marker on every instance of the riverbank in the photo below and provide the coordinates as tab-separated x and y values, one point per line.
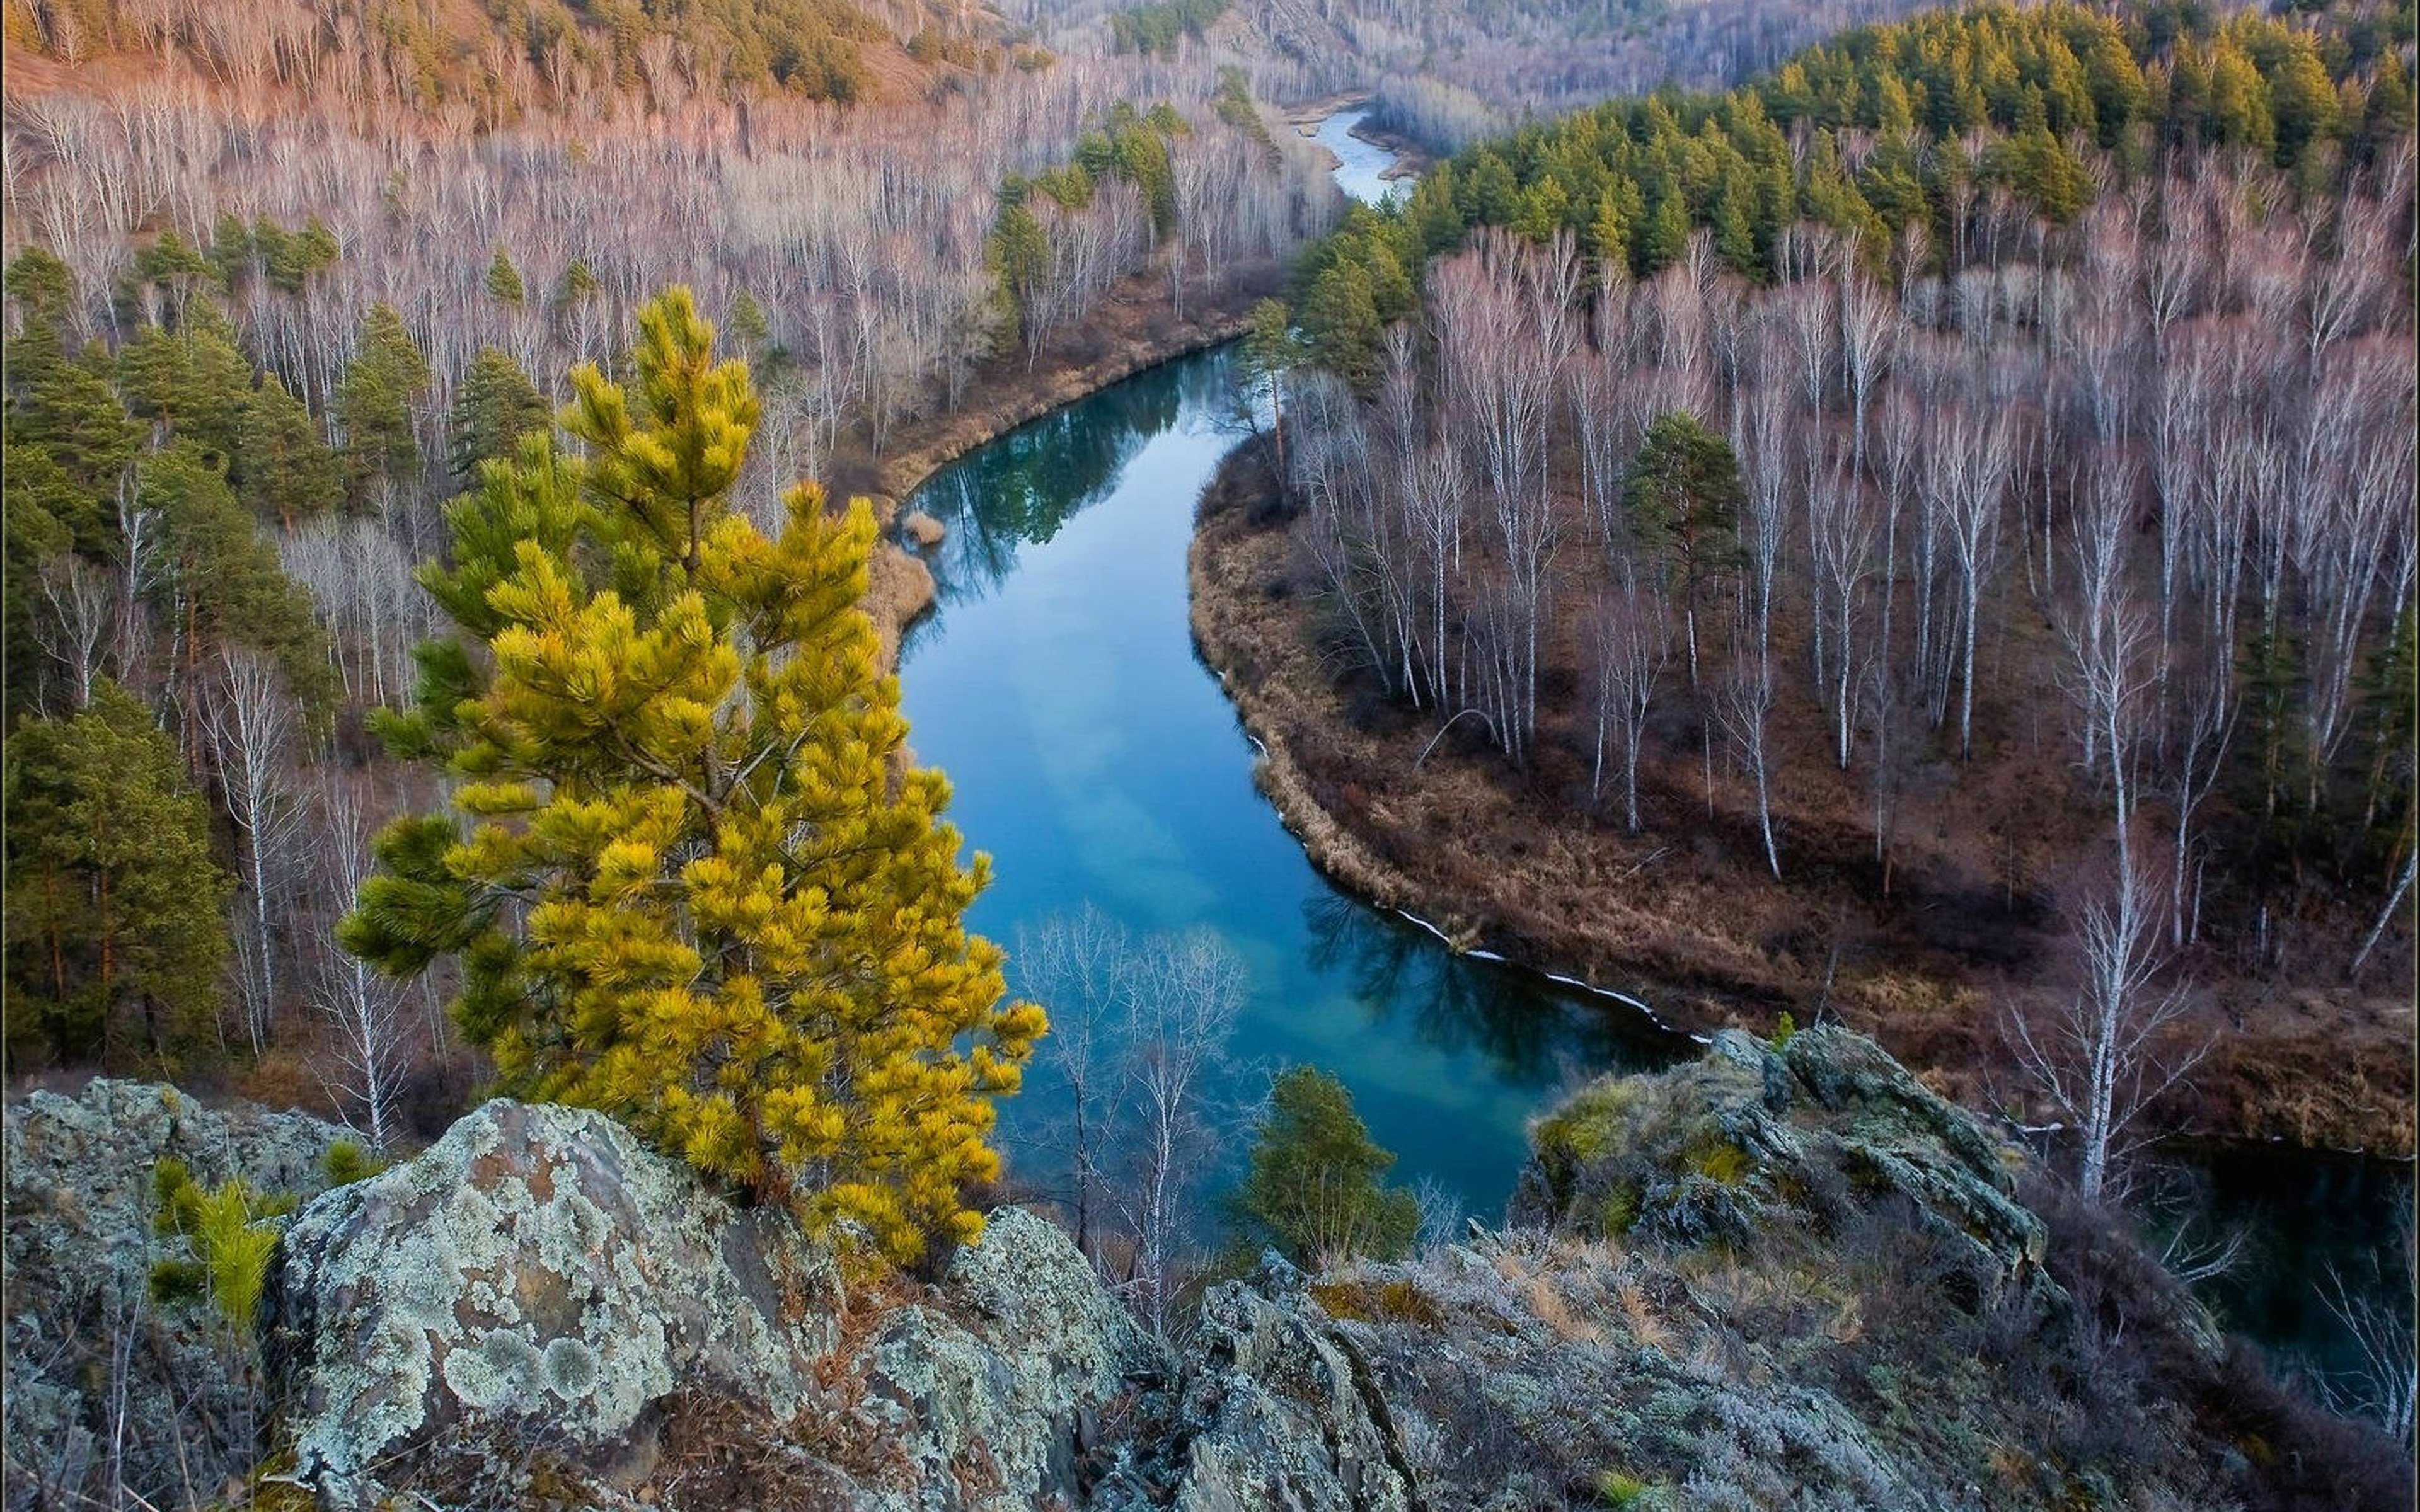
1411	159
1684	920
1131	330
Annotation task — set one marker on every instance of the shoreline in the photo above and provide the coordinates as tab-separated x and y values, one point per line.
1243	636
1132	324
1411	159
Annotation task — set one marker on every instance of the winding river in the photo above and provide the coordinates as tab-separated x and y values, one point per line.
1099	763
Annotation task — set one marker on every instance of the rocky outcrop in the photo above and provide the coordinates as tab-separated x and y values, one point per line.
102	1386
541	1301
1754	1139
1775	1276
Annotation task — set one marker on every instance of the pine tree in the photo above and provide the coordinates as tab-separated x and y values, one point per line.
283	470
115	936
749	325
1684	497
193	379
374	404
579	281
74	412
503	279
494	406
1315	1191
221	579
1341	313
1271	350
699	888
41	509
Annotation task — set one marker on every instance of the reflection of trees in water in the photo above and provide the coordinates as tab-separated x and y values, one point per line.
1028	483
1528	1034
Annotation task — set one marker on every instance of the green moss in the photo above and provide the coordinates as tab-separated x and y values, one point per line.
1620	1210
1591	1126
1716	1159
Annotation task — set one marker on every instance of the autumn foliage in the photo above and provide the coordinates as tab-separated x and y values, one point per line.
692	879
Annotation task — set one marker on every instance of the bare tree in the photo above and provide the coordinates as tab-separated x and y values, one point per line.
1076	965
364	1008
2376	1314
2105	1053
1182	997
81	618
1744	706
1841	523
253	730
1631	642
1967	482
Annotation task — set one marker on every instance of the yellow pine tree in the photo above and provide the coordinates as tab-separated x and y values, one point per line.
699	887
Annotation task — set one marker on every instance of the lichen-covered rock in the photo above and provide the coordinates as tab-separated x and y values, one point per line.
79	1253
991	1389
539	1301
1749	1139
1277	1412
537	1275
1769	1278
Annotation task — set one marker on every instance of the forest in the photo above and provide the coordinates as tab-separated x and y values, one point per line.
1847	514
270	311
1976	454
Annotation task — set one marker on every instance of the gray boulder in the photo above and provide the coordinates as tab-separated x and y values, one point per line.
535	1277
538	1301
91	1361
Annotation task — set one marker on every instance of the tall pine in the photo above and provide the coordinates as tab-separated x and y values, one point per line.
115	933
692	879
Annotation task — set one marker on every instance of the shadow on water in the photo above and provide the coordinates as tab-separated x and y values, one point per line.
1526	1031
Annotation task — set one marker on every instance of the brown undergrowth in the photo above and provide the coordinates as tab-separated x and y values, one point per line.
1928	957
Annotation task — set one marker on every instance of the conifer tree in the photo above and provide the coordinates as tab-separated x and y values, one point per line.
220	577
503	279
115	932
495	405
694	881
194	378
285	473
1684	497
375	402
1315	1191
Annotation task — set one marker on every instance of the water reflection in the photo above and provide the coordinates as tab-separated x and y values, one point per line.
1028	482
1527	1033
1098	761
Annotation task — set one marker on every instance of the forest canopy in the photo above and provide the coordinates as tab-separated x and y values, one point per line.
1889	134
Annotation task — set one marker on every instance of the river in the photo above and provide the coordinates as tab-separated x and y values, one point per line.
1099	763
1361	168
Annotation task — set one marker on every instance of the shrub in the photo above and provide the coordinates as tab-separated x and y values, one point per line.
1315	1190
228	1234
345	1162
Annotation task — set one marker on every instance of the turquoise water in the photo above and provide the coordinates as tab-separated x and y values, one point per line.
1098	761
